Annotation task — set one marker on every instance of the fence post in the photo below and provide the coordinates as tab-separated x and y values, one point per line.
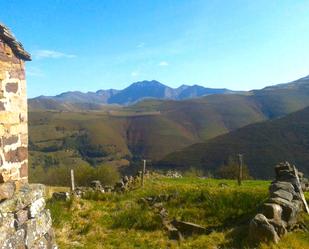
143	172
72	180
240	168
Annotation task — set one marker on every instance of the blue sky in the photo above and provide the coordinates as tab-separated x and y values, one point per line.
88	45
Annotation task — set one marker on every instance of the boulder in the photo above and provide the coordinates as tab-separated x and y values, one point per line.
261	230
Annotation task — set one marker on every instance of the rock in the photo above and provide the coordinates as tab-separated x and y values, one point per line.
42	243
21	217
15	241
290	210
279	225
108	189
173	232
50	237
285	166
7	190
223	185
96	185
272	211
37	228
36	207
125	179
7	228
61	196
188	228
119	185
281	185
282	194
23	198
261	230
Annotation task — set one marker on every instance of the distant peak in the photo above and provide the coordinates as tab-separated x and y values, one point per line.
148	83
306	77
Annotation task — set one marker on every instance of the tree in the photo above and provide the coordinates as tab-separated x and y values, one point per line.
230	169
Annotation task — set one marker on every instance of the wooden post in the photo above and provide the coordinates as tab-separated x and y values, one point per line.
143	172
301	190
72	180
240	166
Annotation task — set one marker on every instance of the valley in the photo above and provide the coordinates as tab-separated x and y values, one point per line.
156	129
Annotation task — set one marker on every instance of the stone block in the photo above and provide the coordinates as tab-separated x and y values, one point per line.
281	185
21	217
26	195
7	190
36	207
272	211
18	155
7	228
10	140
282	194
41	243
290	209
37	228
9	118
16	241
11	87
23	171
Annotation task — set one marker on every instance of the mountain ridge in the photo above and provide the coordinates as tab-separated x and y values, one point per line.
263	144
134	93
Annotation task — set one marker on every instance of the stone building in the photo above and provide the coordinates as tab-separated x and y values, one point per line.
24	221
13	109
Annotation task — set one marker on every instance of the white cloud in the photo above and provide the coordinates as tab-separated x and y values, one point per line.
140	45
163	64
44	53
134	73
34	72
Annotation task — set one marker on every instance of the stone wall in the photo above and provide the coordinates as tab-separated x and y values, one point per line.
24	221
281	212
13	117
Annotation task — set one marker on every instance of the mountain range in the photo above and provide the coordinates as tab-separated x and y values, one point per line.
157	128
132	94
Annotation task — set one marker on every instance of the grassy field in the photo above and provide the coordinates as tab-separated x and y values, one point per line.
120	221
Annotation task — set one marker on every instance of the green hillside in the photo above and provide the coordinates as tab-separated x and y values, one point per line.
150	129
263	145
153	129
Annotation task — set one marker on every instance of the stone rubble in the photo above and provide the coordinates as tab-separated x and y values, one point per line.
176	229
126	183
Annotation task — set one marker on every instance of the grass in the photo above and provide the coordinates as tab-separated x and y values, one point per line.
119	221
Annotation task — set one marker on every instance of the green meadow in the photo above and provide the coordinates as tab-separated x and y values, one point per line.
120	221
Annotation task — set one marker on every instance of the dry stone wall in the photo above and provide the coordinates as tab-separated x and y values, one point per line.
280	213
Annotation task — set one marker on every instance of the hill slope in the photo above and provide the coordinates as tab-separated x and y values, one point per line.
263	145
